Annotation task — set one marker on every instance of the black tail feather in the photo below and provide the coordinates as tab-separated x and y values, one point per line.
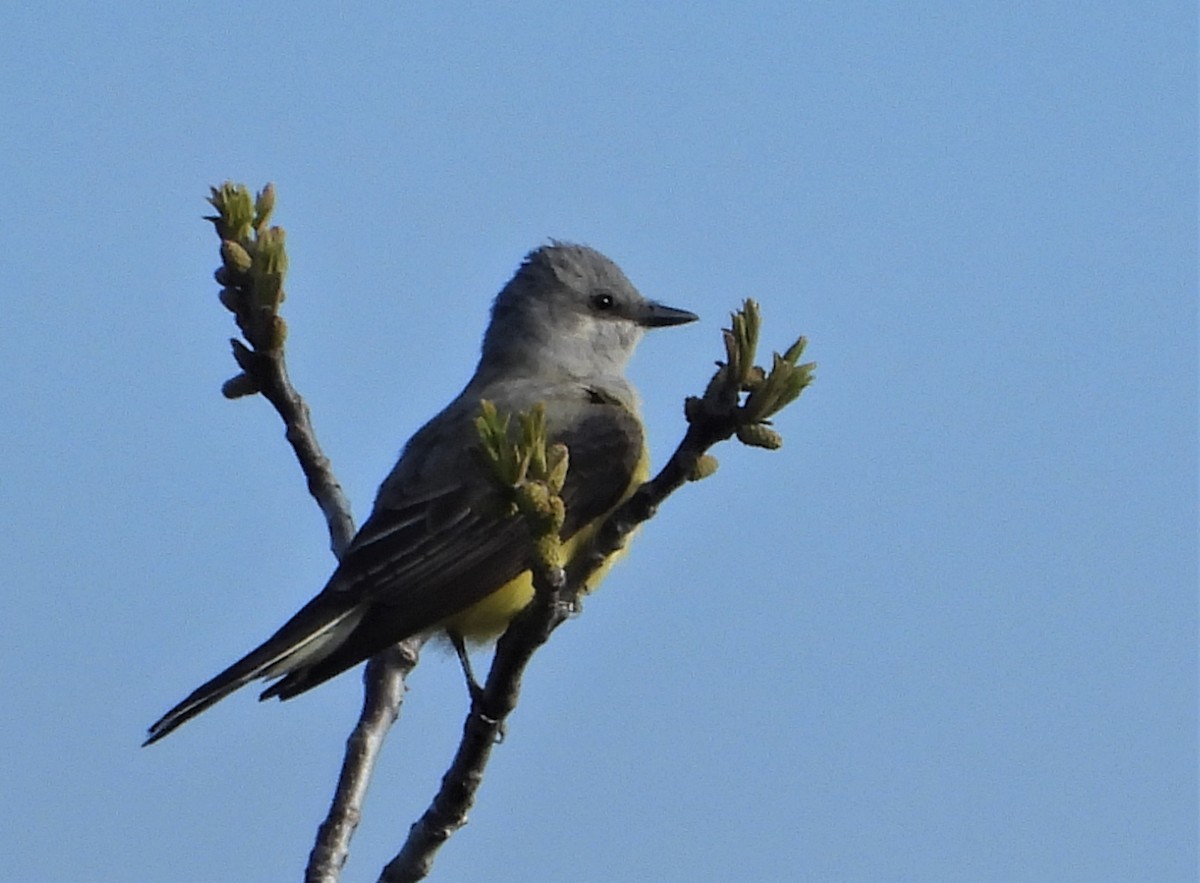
295	639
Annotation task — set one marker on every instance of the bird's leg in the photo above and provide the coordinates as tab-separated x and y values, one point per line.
460	648
476	691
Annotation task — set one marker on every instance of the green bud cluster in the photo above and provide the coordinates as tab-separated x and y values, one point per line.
745	392
253	267
529	474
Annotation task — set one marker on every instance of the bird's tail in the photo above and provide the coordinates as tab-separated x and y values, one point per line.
308	637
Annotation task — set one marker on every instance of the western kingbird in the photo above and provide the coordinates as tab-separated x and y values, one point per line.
433	556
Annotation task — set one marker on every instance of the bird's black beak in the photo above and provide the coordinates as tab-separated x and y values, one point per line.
656	315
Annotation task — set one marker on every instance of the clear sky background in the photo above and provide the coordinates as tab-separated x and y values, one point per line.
947	633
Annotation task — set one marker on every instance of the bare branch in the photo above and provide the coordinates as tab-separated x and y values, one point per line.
270	371
254	263
383	691
482	730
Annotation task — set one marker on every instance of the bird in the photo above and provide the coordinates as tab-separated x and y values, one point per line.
434	557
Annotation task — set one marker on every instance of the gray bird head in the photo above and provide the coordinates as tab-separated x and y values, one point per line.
570	310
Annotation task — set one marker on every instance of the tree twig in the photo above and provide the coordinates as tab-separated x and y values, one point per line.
481	731
254	263
383	691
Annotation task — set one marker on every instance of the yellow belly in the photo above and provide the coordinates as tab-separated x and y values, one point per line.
487	619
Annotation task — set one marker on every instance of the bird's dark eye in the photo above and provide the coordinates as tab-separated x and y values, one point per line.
603	302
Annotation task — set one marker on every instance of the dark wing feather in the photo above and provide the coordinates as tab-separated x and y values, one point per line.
605	449
430	550
418	571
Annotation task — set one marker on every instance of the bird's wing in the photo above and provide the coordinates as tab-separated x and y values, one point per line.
424	556
444	549
432	547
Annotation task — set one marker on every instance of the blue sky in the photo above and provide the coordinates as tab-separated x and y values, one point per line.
948	632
